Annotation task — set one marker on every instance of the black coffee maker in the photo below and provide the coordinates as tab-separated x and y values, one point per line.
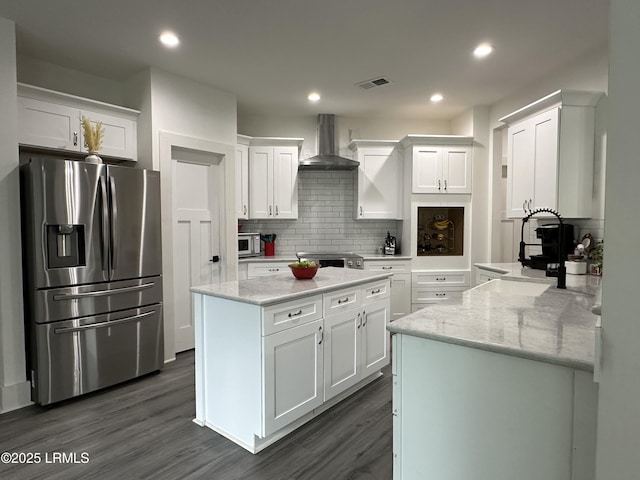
550	242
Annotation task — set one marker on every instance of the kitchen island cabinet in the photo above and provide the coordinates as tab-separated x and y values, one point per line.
497	385
261	350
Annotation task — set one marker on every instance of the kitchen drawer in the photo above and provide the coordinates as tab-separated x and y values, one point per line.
435	295
453	278
376	291
394	266
342	300
291	314
483	276
263	269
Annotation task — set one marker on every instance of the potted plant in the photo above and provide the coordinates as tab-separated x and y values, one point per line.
595	258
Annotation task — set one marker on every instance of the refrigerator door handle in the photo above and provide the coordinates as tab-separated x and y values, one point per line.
101	293
114	223
63	330
104	241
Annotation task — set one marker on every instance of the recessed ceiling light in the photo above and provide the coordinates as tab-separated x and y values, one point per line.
483	50
437	97
169	39
314	97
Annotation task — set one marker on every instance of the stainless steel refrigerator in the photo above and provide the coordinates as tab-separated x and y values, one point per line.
92	271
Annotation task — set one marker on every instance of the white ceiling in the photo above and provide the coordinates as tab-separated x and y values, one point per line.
271	54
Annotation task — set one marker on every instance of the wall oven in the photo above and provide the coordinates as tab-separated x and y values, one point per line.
248	244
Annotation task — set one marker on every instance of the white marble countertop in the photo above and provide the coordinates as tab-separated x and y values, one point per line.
279	288
293	258
556	327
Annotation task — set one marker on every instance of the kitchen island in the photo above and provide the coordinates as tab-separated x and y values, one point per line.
273	352
498	384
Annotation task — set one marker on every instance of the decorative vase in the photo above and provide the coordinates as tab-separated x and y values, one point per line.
92	157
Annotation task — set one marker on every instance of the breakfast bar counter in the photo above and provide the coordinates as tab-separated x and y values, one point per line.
498	384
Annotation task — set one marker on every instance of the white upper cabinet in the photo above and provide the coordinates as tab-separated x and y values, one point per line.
379	187
273	178
242	177
50	119
550	153
439	163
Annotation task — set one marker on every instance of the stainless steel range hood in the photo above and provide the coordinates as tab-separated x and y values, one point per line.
326	158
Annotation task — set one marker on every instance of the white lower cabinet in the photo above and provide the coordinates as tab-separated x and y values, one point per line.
484	275
400	283
263	269
262	371
357	345
293	370
431	287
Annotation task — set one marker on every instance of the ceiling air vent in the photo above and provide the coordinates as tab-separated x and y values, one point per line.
374	82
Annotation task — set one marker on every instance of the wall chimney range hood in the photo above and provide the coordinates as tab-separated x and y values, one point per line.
326	158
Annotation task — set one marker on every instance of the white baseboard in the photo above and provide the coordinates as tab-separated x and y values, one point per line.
13	397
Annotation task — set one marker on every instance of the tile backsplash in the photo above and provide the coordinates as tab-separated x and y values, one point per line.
326	219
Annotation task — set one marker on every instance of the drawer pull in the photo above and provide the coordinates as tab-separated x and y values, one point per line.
441	294
341	301
299	312
387	268
441	279
373	292
274	269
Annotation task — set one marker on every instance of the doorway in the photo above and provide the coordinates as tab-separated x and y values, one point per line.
198	225
196	234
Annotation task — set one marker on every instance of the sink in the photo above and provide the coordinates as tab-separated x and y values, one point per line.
529	289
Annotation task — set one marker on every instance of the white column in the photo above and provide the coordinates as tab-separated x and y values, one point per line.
619	400
14	390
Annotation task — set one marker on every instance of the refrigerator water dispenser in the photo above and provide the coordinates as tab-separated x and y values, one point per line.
65	246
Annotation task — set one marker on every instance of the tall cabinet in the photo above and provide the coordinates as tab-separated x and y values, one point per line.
550	154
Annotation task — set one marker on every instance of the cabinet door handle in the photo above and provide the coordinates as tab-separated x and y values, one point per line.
524	206
321	335
364	319
75	139
299	312
277	211
439	185
359	320
360	210
244	210
343	300
445	185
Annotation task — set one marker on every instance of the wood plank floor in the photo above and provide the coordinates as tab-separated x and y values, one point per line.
143	430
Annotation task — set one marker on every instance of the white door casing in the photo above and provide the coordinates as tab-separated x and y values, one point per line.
224	156
196	235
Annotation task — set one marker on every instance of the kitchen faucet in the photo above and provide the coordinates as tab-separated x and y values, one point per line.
562	270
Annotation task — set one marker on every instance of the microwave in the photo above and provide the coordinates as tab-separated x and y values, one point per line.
248	244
